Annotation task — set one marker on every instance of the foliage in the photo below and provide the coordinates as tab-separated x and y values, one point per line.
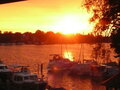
106	15
100	52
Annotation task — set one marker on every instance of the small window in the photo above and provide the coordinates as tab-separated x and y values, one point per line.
5	67
26	78
33	77
18	78
1	67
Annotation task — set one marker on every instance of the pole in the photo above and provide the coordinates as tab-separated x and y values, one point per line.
42	71
38	70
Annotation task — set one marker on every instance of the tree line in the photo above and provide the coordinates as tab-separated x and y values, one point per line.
40	37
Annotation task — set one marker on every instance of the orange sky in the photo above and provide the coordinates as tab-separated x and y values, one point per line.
45	15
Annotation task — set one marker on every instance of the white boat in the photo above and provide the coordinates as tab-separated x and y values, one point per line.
25	80
58	63
4	68
5	73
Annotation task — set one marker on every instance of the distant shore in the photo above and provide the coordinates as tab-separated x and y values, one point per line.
41	38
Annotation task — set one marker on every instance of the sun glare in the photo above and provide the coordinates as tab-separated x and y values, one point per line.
68	55
74	24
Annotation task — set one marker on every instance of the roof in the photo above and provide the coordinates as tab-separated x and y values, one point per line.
24	74
2	65
54	54
17	65
9	1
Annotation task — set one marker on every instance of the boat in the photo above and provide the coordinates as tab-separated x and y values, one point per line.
59	63
23	79
83	69
5	73
94	69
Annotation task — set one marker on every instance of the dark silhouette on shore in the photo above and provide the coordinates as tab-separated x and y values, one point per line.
107	12
40	37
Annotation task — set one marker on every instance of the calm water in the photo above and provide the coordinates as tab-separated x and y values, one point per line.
33	55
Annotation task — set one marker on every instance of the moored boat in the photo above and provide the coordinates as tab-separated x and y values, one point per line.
24	80
83	69
58	63
5	73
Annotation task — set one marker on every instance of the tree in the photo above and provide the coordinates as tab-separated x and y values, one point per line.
7	37
17	37
50	37
28	37
39	37
106	15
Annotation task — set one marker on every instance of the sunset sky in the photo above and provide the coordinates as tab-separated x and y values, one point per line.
66	16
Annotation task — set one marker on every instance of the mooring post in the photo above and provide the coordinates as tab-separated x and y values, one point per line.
42	71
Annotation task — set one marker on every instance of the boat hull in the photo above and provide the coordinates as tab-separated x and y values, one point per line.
24	86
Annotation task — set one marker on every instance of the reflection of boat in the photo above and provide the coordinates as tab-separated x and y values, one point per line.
25	80
58	63
5	73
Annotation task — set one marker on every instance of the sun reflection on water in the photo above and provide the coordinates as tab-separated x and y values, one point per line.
69	55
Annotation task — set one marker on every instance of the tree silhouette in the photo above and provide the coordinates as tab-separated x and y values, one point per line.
28	38
107	15
17	38
7	37
39	37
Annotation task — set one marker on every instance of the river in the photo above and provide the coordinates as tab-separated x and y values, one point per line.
33	55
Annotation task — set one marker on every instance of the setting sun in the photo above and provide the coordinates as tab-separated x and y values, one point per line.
74	24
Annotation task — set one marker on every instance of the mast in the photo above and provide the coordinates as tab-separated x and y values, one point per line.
81	53
61	49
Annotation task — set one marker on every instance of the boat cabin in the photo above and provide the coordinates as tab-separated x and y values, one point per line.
24	79
55	57
20	78
22	75
3	67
